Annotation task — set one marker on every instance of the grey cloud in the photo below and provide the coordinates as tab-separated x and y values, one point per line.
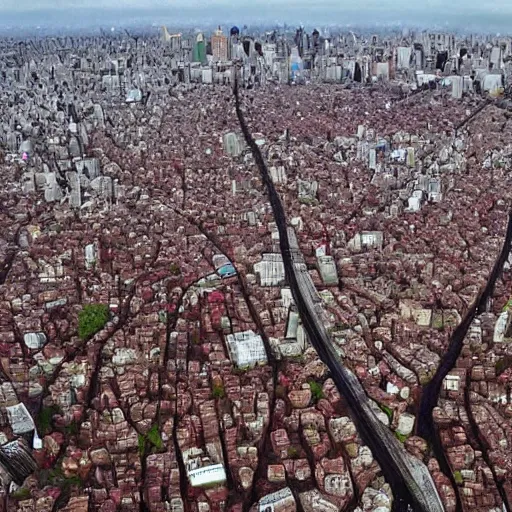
374	5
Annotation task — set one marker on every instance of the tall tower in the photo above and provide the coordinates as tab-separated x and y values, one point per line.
219	46
199	54
234	37
165	34
173	39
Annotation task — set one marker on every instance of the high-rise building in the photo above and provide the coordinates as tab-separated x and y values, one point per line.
199	54
165	34
173	39
219	46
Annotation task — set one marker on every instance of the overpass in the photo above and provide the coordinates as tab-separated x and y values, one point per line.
412	485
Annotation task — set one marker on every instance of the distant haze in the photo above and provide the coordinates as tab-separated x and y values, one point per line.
461	6
450	13
504	6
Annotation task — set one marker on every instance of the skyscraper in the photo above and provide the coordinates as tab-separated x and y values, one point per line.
219	46
173	39
199	54
165	34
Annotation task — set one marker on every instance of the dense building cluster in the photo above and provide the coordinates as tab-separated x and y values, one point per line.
152	357
412	60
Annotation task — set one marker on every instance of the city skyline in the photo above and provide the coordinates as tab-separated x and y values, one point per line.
261	268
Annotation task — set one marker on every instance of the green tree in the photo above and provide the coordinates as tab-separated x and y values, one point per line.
388	411
151	439
507	306
316	390
92	319
153	436
142	444
503	364
293	452
72	429
175	269
218	390
57	478
401	437
457	475
21	494
44	419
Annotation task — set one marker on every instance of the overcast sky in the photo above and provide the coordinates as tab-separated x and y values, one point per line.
470	15
505	6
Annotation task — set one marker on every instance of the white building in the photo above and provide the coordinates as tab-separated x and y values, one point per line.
278	174
500	327
246	349
270	269
403	57
328	271
207	475
278	501
366	239
91	255
413	204
232	145
307	189
34	340
451	383
434	190
207	76
295	341
20	419
286	297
